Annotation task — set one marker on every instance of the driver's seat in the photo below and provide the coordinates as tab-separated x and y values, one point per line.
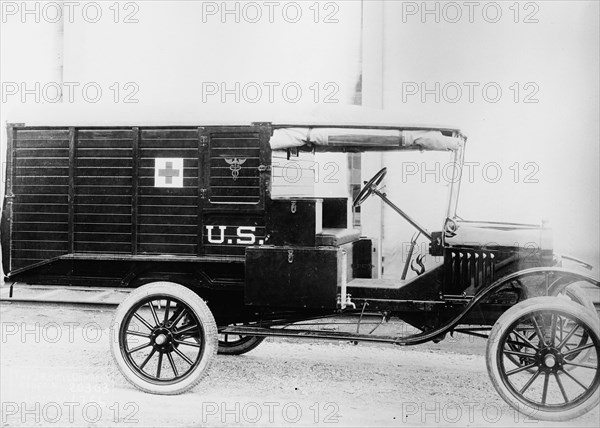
336	237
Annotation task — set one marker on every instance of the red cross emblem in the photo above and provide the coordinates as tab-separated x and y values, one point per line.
168	172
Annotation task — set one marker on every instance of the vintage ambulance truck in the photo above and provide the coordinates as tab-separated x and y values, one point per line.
223	247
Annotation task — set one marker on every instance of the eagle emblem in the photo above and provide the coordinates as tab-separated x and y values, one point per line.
235	165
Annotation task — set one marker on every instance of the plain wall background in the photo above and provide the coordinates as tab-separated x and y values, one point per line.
560	133
171	51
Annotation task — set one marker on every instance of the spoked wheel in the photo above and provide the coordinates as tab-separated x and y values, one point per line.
541	378
236	344
575	293
164	338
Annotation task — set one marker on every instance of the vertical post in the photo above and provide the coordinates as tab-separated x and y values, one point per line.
203	167
7	206
265	132
372	97
134	189
71	198
61	47
10	159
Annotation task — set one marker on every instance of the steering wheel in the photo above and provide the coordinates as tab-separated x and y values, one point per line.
367	191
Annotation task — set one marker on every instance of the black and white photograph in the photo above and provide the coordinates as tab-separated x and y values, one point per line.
311	213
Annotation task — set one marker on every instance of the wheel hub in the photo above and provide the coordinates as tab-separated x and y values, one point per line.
162	339
550	359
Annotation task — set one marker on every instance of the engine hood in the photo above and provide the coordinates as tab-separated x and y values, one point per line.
491	234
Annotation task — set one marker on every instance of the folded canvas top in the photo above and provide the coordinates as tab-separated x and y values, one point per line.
362	139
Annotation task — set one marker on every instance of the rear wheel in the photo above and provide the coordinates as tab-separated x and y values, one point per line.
541	379
164	338
235	344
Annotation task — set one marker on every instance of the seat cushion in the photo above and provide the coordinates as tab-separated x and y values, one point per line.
337	237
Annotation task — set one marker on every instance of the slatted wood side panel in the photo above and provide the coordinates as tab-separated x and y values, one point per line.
294	176
41	187
103	190
229	241
168	217
234	176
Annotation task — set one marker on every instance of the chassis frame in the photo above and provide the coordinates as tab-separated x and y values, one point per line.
189	299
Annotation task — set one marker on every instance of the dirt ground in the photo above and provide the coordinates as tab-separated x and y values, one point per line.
56	370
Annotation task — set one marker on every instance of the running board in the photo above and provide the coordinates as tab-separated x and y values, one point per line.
59	294
313	334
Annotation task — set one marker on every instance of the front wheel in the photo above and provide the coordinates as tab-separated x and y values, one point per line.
535	373
164	338
577	294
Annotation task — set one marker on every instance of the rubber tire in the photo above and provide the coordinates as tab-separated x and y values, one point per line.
241	348
521	309
205	317
577	295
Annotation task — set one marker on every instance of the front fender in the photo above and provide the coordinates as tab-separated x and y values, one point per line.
534	282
